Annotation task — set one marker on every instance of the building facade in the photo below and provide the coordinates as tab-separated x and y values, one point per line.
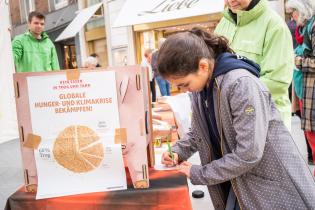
59	13
114	46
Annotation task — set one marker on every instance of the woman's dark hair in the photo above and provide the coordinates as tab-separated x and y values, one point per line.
180	53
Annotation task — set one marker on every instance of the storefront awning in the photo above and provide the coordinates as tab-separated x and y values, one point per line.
78	22
149	11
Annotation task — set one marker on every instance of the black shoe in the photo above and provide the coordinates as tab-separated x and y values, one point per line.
298	113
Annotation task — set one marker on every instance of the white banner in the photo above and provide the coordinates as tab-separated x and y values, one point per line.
181	107
144	11
76	120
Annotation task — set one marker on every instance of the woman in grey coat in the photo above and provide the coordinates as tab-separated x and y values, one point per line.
248	157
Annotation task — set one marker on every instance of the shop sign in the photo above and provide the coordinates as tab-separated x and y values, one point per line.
170	5
145	11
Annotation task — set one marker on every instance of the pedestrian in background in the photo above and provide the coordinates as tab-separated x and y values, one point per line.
33	51
97	58
90	62
297	83
146	63
260	34
303	11
163	84
292	96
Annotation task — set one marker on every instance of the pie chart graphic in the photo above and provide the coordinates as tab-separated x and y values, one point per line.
79	149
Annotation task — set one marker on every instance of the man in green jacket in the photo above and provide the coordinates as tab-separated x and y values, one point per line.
258	33
33	51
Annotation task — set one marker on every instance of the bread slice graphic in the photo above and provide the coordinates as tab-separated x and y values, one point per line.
78	149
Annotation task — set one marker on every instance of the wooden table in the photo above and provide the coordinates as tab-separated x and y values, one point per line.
168	190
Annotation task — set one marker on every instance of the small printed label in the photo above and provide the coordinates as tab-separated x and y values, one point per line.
249	110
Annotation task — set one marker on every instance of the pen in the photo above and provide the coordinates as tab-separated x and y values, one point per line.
170	148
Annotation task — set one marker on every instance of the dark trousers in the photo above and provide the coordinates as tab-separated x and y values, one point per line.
152	88
310	141
164	86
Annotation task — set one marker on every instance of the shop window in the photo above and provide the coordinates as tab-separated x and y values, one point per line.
100	48
92	2
60	4
97	20
70	59
26	6
120	56
148	40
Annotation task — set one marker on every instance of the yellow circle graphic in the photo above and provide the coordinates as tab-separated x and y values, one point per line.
79	149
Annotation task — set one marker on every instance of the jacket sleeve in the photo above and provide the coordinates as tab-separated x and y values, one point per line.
154	62
249	106
17	49
54	59
307	64
278	60
221	28
185	147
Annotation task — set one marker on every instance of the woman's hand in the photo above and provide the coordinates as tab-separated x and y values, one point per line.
185	167
167	159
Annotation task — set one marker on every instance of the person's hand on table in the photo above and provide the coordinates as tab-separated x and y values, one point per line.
167	159
185	167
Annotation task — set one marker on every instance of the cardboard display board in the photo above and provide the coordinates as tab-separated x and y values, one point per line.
134	133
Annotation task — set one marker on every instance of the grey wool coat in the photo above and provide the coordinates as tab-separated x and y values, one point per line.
260	157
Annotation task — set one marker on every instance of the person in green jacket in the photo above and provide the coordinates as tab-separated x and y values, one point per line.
33	51
257	32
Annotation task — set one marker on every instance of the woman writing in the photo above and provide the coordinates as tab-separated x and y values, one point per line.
248	157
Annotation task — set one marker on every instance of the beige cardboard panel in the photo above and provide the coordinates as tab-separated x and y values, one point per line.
73	74
31	188
24	123
32	141
120	136
26	178
16	89
123	88
131	111
141	184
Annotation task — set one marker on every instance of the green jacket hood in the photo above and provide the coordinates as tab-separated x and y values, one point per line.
43	34
244	17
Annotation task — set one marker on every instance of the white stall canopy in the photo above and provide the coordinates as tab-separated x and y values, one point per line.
8	121
78	22
149	11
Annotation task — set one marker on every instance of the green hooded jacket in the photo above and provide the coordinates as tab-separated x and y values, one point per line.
261	35
33	55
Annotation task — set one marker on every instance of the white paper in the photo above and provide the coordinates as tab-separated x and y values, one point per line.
76	121
158	158
181	107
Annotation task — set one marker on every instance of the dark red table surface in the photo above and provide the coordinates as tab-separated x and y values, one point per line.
168	190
